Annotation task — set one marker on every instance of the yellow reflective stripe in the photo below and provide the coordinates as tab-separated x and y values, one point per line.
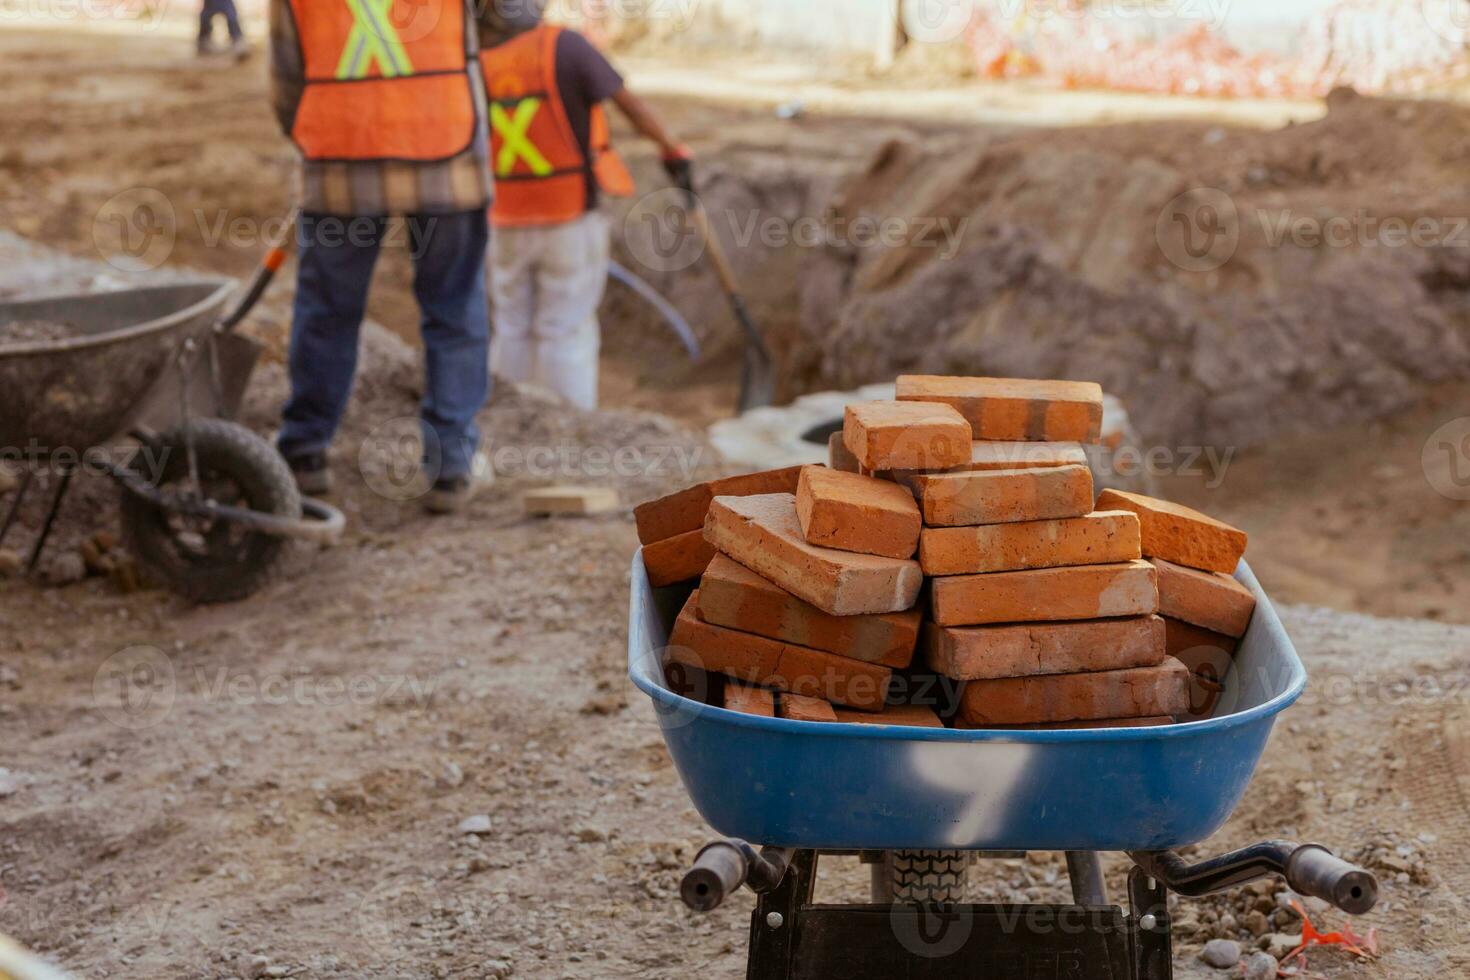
373	38
515	131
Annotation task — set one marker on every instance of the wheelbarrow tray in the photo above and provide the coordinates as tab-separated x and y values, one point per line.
883	787
77	393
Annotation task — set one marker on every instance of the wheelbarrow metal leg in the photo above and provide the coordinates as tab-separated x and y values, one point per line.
777	915
1153	947
20	496
1084	870
66	475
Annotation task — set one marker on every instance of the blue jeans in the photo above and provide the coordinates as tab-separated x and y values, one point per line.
335	268
224	8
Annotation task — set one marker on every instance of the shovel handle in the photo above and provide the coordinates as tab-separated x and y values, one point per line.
265	273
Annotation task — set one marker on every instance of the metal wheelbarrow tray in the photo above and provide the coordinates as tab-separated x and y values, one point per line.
876	787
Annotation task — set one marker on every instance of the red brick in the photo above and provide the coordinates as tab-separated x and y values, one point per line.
905	715
786	667
1015	409
1046	595
1212	600
1179	534
906	436
797	708
1002	496
1068	726
988	652
1209	657
1136	693
763	534
677	559
732	595
750	700
685	511
1101	538
1181	637
851	512
839	457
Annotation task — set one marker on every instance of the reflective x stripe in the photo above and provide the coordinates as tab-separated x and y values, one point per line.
373	39
515	131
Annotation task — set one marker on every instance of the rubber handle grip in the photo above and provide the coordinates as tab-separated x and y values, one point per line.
1313	870
719	870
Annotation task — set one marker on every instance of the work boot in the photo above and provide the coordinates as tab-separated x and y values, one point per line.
240	50
206	48
453	495
313	478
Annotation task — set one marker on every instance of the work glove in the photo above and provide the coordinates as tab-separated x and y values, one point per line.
679	165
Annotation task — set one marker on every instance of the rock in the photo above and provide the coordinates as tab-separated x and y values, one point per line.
64	569
477	825
1261	966
253	967
10	563
10	783
1278	944
1222	954
1256	924
453	776
8	480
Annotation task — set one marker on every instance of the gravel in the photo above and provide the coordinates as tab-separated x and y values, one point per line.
1222	954
1261	966
34	332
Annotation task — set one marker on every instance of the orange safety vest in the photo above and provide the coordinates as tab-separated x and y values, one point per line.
385	80
540	170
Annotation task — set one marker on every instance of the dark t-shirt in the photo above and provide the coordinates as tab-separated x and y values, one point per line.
585	78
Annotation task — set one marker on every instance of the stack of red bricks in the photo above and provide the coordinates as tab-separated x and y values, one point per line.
1040	605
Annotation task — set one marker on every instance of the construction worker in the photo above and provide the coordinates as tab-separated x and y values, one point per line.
553	163
384	102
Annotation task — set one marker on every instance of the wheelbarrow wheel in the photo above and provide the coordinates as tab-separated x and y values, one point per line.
921	877
208	560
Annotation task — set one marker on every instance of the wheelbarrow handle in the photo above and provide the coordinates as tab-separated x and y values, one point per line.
1315	871
723	866
1310	869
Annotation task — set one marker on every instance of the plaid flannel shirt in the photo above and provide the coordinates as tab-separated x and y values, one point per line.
379	188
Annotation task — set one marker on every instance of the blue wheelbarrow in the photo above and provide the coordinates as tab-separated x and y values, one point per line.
919	805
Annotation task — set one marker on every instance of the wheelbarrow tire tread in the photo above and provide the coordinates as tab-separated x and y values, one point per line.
927	877
266	483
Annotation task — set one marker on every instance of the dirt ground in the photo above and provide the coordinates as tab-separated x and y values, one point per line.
188	790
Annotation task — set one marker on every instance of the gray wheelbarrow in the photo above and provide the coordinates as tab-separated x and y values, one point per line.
207	506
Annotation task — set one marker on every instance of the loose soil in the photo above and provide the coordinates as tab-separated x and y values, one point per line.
19	332
191	788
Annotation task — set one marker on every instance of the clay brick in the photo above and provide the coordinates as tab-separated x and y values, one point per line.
750	700
786	667
1016	409
1212	600
906	715
1101	538
989	652
906	436
763	534
570	501
677	559
1179	534
685	511
1209	657
1002	496
1069	726
1046	595
797	708
1135	693
1024	455
839	457
1181	637
732	595
851	512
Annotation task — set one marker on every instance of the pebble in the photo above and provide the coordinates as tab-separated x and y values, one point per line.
8	480
67	568
1222	954
10	563
1256	923
1261	966
478	824
253	967
1278	944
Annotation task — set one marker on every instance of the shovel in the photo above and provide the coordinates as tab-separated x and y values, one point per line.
213	382
758	378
